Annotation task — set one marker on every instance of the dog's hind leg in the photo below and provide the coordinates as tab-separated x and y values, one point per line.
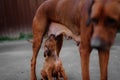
63	73
39	28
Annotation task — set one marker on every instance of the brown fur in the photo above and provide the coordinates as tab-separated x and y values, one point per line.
59	29
52	65
105	16
104	19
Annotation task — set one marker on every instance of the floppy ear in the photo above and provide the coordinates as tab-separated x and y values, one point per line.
89	13
46	51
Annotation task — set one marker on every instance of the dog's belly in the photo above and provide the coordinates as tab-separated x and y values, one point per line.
58	29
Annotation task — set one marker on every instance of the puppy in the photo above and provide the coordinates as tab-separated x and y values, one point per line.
53	65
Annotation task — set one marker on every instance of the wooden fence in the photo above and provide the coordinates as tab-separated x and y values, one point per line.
16	16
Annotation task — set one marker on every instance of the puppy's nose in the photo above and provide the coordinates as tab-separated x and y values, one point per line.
96	42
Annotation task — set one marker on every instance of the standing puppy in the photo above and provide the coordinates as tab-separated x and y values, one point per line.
52	65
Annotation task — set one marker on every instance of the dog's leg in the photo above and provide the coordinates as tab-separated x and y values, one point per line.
85	54
44	75
39	25
59	43
49	74
63	74
58	76
104	59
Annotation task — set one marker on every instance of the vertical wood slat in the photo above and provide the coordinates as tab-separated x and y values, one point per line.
16	16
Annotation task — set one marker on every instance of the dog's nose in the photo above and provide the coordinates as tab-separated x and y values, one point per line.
96	42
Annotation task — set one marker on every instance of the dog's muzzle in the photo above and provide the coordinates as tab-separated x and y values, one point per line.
97	43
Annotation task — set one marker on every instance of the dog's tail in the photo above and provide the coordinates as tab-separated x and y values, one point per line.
30	40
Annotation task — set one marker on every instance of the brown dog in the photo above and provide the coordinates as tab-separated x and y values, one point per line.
96	21
52	65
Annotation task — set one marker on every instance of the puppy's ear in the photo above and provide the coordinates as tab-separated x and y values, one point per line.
89	13
46	51
45	54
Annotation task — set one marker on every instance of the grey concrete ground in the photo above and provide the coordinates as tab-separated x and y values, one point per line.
15	61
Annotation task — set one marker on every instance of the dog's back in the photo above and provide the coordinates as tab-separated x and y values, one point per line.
63	11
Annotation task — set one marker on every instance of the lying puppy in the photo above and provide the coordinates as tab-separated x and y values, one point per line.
52	65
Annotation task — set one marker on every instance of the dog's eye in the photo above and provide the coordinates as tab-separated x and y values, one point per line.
110	21
94	21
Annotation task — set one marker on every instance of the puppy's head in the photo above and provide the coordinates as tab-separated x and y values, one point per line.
105	18
50	46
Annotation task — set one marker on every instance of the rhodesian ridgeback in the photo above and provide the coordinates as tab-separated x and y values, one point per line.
96	21
52	67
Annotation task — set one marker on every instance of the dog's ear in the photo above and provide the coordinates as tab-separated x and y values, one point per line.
46	51
89	13
45	54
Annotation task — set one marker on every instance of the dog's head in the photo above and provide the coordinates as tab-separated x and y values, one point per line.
104	15
50	46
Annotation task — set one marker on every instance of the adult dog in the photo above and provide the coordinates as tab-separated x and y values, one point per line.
96	21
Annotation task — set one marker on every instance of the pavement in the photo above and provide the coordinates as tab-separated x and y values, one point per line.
15	60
